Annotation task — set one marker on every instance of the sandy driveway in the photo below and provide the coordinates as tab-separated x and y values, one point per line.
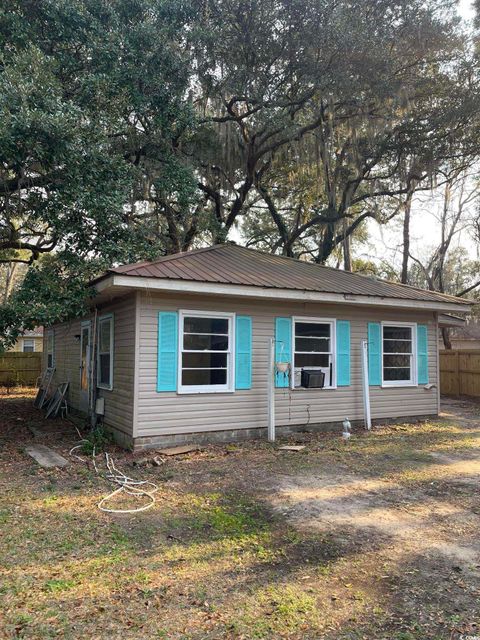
411	513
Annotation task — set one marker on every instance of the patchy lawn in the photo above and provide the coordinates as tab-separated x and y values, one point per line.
374	539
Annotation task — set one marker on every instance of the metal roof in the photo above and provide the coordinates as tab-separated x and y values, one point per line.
467	332
237	265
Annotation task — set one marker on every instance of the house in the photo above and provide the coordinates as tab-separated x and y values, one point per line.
29	341
178	349
465	337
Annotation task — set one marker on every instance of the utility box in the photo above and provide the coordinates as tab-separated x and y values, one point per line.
100	406
312	378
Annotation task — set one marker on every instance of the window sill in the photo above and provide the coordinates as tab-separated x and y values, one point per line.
313	388
399	385
104	387
192	392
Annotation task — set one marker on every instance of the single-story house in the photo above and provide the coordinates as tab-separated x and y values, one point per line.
31	341
178	349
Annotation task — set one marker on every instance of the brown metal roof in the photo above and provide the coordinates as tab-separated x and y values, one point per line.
233	264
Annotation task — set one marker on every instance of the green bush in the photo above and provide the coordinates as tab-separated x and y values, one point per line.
97	440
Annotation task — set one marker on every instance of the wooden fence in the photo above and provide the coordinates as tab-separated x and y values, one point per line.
19	368
460	373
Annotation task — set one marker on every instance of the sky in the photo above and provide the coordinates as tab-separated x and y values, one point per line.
465	9
425	227
385	241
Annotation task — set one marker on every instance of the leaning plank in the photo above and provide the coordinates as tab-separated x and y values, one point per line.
44	387
176	451
57	400
45	457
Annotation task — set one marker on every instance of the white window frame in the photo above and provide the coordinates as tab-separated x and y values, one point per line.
103	318
32	340
214	388
50	351
333	346
413	369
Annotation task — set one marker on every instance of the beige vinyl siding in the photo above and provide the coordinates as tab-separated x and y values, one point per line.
168	413
66	358
118	401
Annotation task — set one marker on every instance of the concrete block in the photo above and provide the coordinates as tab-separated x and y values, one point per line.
46	457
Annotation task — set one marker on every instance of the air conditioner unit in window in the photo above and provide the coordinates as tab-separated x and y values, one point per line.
313	379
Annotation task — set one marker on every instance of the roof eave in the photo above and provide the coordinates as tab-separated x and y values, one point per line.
447	320
248	291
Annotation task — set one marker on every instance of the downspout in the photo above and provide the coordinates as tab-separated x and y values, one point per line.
93	372
365	385
271	391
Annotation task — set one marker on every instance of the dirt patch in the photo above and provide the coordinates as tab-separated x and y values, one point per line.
413	521
358	508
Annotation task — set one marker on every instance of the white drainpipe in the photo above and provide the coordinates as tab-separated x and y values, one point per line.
365	385
271	391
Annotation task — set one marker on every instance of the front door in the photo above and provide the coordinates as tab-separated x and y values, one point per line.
85	340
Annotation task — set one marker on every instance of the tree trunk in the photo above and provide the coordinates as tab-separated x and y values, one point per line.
406	238
9	280
446	338
327	244
347	255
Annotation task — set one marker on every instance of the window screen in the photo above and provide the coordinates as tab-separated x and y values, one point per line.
105	353
28	345
398	353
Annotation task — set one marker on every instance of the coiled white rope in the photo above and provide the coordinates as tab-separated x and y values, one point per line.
135	488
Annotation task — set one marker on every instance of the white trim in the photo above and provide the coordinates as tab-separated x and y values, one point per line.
333	347
23	345
186	286
136	366
106	316
50	333
229	387
86	324
413	382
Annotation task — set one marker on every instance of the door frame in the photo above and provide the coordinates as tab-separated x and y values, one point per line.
84	394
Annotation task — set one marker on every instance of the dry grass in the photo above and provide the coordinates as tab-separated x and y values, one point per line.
246	541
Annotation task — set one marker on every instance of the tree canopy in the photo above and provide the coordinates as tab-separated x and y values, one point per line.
135	128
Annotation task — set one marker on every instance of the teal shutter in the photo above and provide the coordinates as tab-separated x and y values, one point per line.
422	354
343	353
374	353
283	348
243	352
167	351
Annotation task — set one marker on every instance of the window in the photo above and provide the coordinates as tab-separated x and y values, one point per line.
206	352
50	349
398	351
28	345
105	352
313	349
